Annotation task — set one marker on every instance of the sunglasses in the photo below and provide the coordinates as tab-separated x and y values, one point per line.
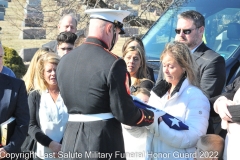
185	31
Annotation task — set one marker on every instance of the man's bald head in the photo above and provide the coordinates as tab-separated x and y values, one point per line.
102	30
67	23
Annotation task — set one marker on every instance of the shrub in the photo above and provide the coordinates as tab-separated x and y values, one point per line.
14	61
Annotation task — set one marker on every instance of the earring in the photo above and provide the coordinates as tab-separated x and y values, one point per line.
185	73
184	70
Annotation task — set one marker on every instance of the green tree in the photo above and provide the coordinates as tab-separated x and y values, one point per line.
14	61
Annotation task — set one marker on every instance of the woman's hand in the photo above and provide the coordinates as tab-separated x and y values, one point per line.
55	147
160	120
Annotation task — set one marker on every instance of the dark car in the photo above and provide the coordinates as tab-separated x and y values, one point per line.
222	32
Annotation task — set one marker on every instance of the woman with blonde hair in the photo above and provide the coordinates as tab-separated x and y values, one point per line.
178	95
48	113
28	78
134	56
136	41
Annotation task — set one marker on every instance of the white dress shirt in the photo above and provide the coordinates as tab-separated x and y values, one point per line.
53	118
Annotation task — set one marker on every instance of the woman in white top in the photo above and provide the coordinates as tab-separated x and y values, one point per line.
228	109
179	96
48	114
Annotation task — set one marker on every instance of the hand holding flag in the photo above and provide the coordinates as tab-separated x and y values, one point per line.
171	121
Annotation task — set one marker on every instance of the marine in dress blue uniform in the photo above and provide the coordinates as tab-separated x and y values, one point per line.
94	84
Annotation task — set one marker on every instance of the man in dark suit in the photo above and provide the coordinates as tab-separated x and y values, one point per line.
209	66
13	103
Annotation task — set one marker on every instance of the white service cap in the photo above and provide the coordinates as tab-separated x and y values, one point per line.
108	14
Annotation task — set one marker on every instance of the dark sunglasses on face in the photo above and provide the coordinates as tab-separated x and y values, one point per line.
185	31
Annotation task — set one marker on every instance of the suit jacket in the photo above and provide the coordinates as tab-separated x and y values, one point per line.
13	102
210	69
52	45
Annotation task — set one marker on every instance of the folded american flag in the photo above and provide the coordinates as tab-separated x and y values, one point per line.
171	121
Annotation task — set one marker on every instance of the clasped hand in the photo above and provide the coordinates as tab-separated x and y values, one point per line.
55	147
221	108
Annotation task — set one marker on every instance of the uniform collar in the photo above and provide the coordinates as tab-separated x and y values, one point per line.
97	41
193	50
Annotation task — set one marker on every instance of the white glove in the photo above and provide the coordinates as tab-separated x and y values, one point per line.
134	131
154	126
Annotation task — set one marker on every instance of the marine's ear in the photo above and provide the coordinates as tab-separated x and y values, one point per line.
108	28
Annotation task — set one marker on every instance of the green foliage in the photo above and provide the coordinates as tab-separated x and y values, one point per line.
14	61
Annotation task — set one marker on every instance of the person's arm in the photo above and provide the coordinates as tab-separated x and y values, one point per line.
213	77
121	102
34	128
232	88
220	107
229	93
21	114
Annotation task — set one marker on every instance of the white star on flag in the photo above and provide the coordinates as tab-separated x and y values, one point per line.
174	121
171	121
